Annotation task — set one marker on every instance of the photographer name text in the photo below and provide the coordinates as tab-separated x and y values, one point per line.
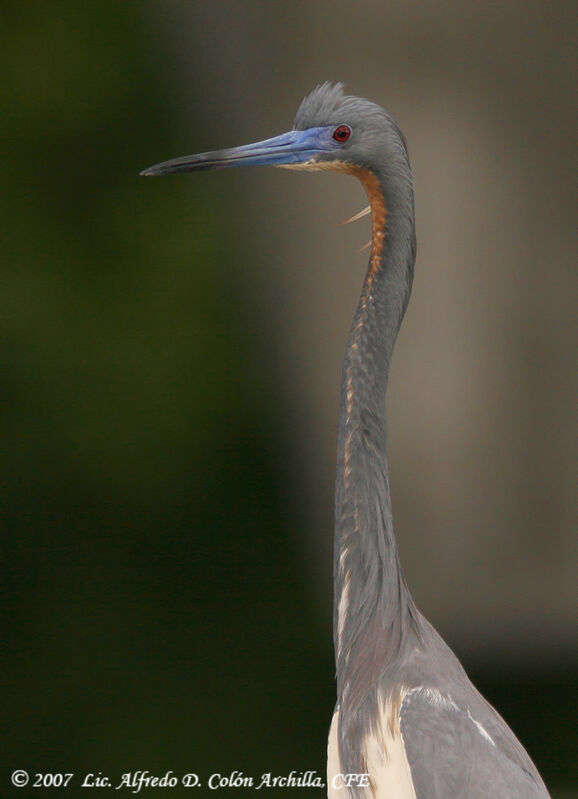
137	781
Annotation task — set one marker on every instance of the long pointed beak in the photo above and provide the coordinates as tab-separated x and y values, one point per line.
294	147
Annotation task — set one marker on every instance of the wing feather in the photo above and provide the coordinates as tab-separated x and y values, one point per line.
452	755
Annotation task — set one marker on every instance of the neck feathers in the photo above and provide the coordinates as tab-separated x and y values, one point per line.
373	612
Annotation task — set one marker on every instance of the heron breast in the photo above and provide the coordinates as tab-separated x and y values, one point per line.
384	758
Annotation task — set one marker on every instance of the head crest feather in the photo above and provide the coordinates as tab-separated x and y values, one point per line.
320	105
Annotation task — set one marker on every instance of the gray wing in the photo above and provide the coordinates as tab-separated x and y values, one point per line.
453	756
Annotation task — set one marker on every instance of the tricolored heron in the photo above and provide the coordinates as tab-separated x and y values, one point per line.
406	716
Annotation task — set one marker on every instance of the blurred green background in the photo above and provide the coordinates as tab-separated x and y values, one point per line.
170	366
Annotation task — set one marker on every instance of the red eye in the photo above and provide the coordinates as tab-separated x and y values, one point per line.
342	133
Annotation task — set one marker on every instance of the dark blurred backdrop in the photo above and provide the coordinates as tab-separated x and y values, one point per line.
170	362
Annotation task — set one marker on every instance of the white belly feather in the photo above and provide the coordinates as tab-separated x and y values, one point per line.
384	756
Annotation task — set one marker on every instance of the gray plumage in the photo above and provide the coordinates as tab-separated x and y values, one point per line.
406	712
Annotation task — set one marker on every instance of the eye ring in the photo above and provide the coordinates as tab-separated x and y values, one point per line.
342	133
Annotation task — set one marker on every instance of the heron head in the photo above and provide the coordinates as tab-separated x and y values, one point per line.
331	131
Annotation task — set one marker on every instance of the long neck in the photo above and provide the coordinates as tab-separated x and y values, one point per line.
373	610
